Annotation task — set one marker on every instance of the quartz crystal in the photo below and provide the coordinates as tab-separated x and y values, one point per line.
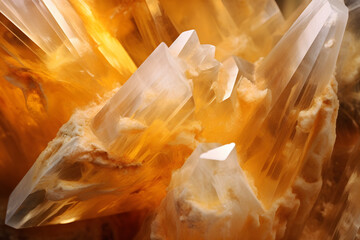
216	119
336	211
291	89
208	198
125	150
55	62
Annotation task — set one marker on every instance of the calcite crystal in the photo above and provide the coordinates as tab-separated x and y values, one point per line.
246	127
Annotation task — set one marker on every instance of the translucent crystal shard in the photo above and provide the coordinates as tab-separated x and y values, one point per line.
141	101
214	85
208	198
307	55
49	66
114	160
40	25
225	83
336	211
55	27
200	64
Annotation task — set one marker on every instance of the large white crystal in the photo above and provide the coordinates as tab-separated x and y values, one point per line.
208	198
106	157
155	94
295	72
45	24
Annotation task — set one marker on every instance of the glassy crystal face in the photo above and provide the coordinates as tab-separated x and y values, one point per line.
121	137
293	81
208	197
51	62
246	127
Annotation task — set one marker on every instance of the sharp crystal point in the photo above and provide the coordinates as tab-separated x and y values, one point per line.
185	43
149	111
206	202
47	28
140	99
220	153
228	74
308	67
321	22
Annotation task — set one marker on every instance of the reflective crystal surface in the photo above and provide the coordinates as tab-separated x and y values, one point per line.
49	67
209	197
67	180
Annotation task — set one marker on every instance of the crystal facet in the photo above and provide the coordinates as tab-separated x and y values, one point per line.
208	198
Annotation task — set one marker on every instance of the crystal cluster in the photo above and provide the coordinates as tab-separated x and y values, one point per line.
246	127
